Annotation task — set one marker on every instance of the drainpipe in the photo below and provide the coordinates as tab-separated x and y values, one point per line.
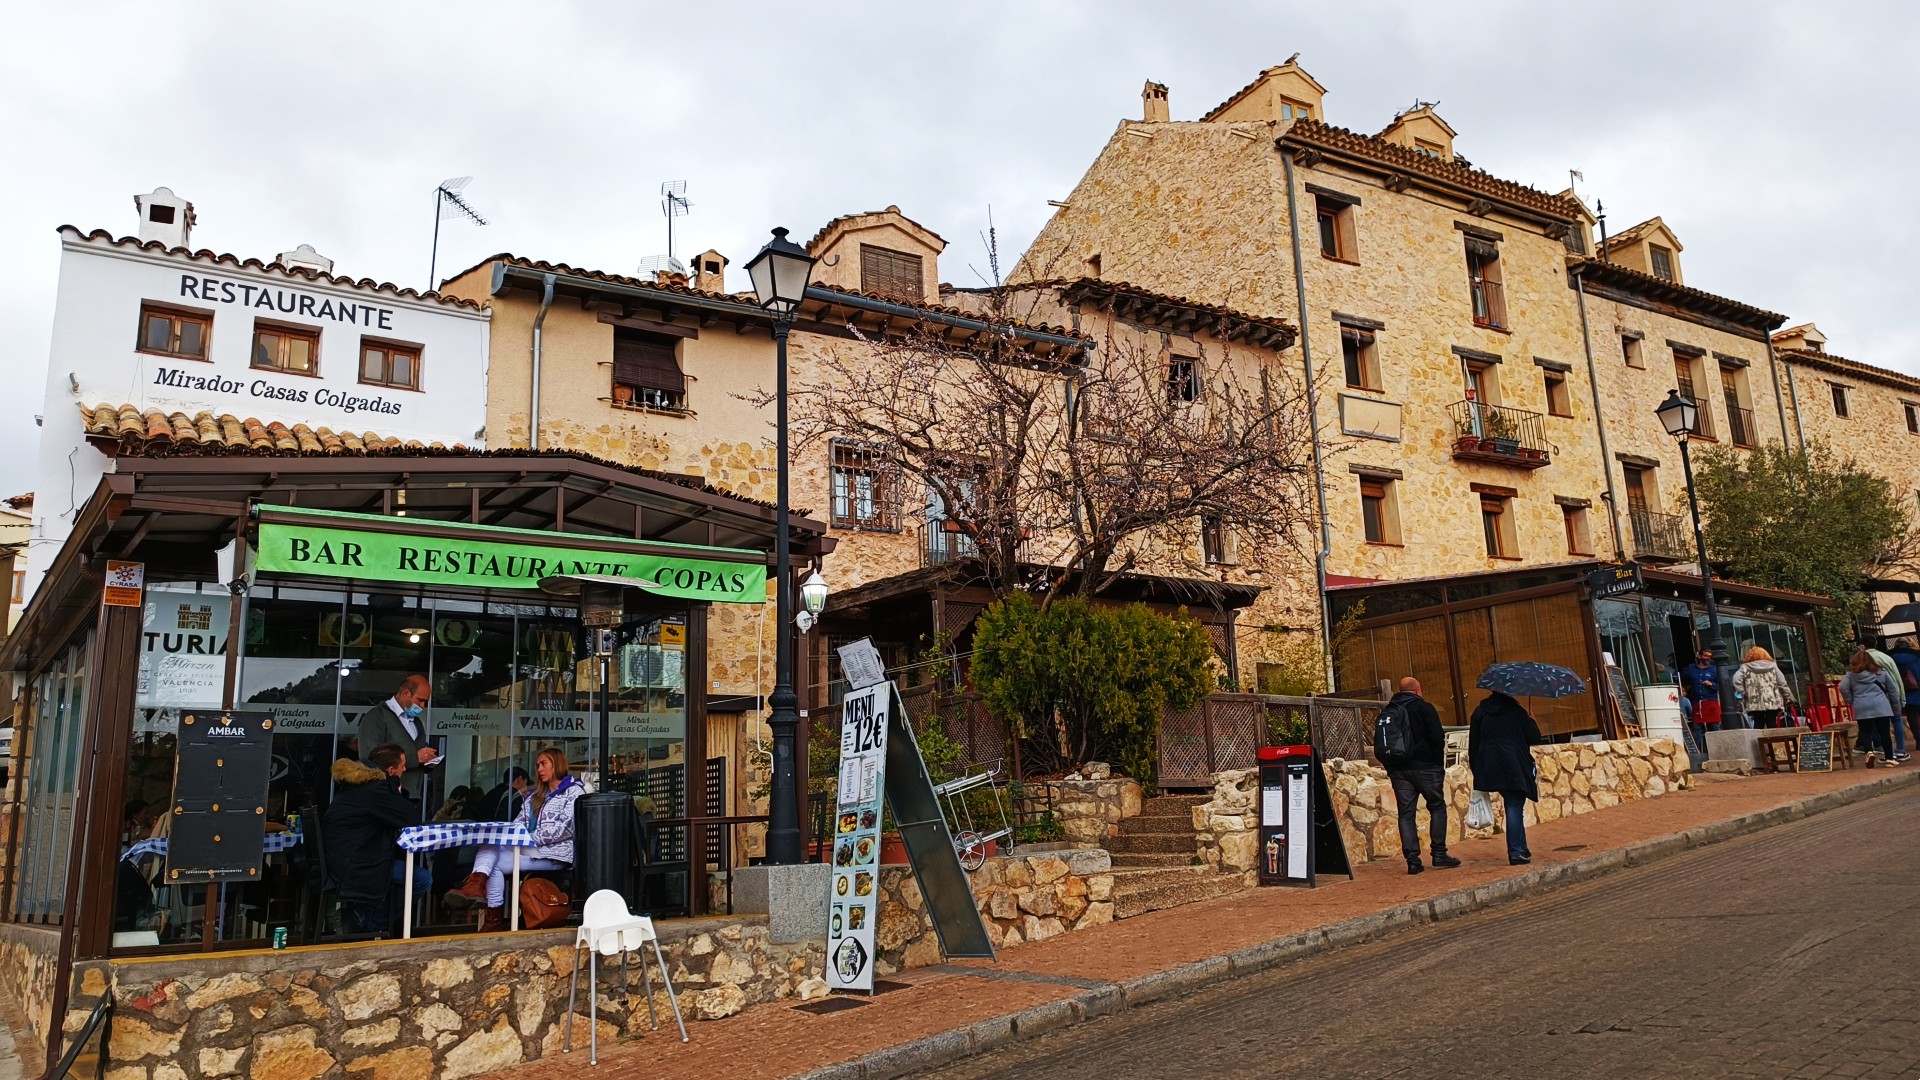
1313	411
1799	429
1599	424
533	406
1773	368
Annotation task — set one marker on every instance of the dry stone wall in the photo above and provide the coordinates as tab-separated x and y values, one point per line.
446	1008
1090	811
28	960
1021	898
1575	778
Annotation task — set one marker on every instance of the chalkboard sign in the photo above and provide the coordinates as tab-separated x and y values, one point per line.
220	797
1622	695
1816	752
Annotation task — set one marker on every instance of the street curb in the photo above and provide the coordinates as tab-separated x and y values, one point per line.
948	1047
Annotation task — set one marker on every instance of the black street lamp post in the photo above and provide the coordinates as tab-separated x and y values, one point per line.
1680	416
780	273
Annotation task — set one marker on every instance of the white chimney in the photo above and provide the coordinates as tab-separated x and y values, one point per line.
305	258
165	217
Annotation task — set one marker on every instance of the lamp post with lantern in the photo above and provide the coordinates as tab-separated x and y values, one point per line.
780	273
1680	416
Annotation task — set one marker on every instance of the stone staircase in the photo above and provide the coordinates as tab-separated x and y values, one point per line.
1153	860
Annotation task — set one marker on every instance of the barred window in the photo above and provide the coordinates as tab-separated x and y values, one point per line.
866	486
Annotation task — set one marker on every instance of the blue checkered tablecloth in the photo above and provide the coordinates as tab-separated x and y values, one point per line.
275	842
453	834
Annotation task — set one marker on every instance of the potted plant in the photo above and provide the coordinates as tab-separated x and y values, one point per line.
622	394
1502	434
1466	440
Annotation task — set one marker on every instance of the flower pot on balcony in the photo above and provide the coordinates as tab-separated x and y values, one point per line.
1532	454
622	395
1509	447
1467	444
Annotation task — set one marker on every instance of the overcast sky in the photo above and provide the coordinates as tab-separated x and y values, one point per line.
1777	140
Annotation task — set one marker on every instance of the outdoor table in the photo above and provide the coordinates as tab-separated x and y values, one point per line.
452	834
275	842
1780	751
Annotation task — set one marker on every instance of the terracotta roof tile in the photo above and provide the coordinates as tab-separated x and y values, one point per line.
133	431
843	218
1148	304
1630	280
1325	136
21	502
747	299
217	258
1840	365
203	432
1631	234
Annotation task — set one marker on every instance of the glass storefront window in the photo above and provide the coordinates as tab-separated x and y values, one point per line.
508	680
54	740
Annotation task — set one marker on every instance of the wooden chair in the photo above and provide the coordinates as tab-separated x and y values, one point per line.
1780	753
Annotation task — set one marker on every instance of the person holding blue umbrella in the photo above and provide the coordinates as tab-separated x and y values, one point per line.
1501	737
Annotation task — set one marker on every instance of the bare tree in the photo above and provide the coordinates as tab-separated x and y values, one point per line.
1059	470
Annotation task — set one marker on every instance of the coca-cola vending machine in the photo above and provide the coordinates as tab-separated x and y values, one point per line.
1298	835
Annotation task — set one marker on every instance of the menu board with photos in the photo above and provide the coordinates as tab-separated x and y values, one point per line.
853	902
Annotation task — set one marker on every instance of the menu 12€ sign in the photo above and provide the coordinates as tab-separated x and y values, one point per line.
853	901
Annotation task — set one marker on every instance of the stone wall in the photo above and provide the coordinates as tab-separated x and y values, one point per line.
1226	828
1574	778
1022	898
28	957
442	1007
1091	810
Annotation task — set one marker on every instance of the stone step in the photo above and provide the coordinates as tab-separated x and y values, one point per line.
1144	860
1152	843
1175	894
1140	879
1146	826
1180	806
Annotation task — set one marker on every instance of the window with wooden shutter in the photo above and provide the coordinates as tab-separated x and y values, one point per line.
646	373
895	275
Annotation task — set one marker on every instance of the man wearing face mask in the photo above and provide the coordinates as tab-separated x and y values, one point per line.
401	720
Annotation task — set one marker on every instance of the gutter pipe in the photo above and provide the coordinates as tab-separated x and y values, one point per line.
1313	410
533	406
1599	422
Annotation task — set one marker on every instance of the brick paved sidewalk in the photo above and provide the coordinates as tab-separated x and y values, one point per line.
1057	981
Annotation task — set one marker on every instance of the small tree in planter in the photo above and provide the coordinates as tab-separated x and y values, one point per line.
1079	682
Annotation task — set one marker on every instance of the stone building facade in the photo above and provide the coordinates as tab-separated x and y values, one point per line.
1487	359
675	376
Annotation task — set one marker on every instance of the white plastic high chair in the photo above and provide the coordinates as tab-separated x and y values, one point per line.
606	928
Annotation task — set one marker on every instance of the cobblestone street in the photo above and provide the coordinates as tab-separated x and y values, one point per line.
1789	953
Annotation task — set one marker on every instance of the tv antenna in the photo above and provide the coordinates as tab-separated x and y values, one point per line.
673	203
448	203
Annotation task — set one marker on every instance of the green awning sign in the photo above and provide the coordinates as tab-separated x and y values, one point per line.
489	560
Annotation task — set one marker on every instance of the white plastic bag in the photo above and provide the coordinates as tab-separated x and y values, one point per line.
1480	811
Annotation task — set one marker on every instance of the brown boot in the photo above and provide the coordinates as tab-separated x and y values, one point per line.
472	893
494	921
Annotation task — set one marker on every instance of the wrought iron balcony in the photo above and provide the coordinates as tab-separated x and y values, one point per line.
1740	426
1499	435
1658	536
942	542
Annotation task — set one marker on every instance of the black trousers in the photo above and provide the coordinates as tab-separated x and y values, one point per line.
1409	787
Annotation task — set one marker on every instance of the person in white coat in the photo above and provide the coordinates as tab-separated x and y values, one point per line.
1762	687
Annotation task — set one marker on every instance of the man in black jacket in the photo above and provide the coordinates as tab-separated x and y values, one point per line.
1421	772
361	827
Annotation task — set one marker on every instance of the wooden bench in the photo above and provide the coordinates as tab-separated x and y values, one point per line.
1781	752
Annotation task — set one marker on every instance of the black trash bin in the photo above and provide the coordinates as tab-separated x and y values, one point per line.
603	845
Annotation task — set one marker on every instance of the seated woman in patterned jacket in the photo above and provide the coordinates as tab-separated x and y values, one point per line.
547	813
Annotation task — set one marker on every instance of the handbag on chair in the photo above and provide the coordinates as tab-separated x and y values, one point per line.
542	905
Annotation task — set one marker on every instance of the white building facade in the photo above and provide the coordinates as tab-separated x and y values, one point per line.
211	341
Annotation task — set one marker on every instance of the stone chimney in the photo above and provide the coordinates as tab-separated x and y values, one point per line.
1153	103
165	217
710	271
305	258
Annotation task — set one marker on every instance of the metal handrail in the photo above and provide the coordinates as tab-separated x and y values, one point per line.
102	1015
1499	425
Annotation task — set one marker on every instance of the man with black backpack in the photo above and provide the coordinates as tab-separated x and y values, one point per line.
1408	740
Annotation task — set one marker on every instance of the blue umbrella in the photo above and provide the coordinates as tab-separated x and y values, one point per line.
1527	678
